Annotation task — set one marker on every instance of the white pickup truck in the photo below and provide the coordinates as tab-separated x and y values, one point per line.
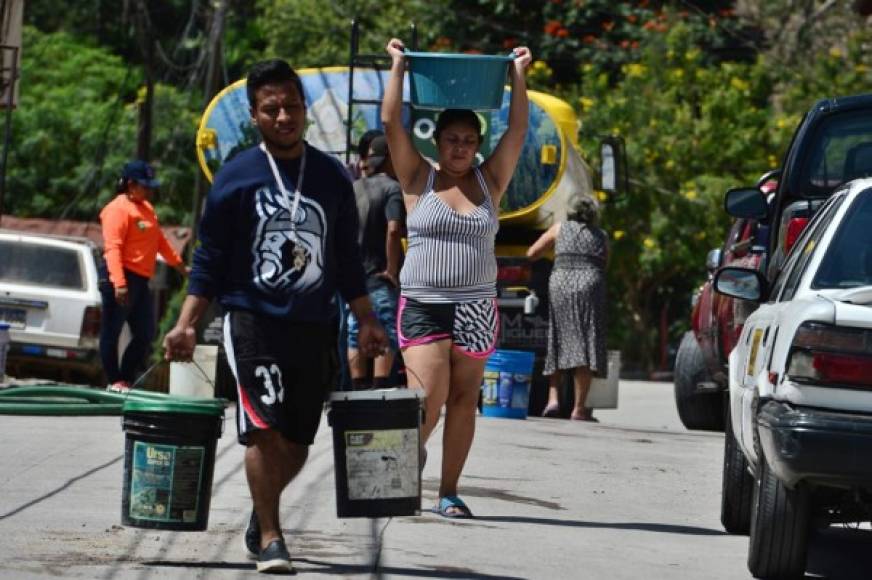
49	296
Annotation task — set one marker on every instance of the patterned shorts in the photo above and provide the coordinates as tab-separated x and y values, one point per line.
472	327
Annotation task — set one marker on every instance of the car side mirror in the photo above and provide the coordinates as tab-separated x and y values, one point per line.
713	260
613	165
741	283
746	202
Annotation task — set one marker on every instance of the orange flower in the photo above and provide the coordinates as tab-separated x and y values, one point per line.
608	25
631	18
589	39
562	33
625	43
552	26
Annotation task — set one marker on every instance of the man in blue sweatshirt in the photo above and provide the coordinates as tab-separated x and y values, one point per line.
278	238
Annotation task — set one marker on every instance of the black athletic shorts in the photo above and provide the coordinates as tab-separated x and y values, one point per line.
284	372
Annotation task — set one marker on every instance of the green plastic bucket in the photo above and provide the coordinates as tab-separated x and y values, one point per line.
440	80
169	460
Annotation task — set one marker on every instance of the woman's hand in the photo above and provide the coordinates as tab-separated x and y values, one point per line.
523	58
396	49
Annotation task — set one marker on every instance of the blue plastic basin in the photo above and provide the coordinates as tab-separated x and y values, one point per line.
441	80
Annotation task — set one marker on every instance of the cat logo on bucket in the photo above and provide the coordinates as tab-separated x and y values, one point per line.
358	439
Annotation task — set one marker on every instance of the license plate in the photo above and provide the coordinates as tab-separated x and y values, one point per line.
15	317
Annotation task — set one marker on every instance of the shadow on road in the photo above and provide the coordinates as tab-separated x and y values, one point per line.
640	526
309	566
840	553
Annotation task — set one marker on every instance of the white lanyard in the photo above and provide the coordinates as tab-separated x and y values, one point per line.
299	189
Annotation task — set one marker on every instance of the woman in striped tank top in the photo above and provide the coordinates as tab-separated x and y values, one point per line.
448	319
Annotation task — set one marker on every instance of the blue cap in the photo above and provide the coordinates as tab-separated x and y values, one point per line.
140	172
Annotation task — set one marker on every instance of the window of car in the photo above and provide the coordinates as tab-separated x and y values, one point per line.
787	281
842	152
40	265
848	259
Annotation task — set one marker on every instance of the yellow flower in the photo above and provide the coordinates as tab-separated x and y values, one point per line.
739	84
587	67
602	196
861	69
540	65
634	69
781	123
773	161
670	164
836	52
691	55
618	234
653	123
586	103
691	194
649	243
677	73
700	235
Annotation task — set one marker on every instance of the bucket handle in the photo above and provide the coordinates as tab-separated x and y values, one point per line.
511	56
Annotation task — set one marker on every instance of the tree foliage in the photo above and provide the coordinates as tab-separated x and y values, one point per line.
75	126
316	33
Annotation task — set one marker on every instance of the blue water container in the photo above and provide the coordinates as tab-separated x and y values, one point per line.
505	391
441	80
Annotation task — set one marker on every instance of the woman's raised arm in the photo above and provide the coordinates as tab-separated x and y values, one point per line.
500	166
412	169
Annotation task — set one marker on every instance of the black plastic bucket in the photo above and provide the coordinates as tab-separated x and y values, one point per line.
169	459
377	452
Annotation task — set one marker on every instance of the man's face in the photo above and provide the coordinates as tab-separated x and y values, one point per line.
280	115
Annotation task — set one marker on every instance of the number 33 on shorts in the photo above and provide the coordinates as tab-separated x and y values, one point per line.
271	377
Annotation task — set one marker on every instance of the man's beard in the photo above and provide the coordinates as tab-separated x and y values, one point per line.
283	147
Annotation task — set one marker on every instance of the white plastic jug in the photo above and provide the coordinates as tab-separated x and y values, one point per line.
188	379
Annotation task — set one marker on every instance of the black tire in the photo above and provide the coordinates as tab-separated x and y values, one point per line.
737	491
702	411
780	522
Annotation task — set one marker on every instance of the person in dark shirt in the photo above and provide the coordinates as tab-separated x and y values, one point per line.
382	216
277	240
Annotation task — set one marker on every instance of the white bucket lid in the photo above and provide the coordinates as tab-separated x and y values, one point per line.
377	395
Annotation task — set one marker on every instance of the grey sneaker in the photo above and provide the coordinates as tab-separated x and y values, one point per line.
251	540
275	558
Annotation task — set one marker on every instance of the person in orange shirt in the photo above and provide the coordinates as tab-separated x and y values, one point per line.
132	238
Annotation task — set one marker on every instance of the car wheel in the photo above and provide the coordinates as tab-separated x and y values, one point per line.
738	486
704	411
779	527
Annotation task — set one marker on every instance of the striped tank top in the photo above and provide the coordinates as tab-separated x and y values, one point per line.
450	256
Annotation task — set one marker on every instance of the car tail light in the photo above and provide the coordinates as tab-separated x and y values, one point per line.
831	355
513	274
794	229
90	324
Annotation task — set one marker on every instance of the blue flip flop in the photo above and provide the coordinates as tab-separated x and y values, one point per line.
452	501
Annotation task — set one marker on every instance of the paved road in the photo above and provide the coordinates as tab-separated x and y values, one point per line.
635	496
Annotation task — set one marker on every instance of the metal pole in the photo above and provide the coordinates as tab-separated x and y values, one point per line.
7	131
355	30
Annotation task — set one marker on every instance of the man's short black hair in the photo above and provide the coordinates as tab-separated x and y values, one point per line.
365	140
464	117
269	72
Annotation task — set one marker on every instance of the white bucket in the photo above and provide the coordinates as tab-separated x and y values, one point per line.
4	348
603	393
188	379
